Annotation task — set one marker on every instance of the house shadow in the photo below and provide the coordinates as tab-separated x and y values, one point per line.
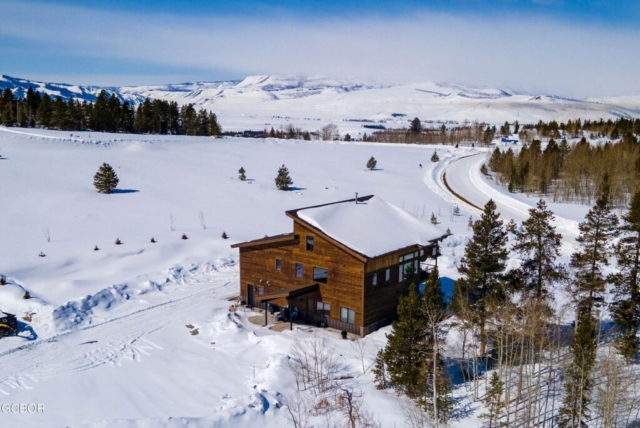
23	327
123	191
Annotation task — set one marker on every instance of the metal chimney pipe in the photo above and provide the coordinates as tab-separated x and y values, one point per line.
356	198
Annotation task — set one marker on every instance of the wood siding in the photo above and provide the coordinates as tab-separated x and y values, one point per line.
349	282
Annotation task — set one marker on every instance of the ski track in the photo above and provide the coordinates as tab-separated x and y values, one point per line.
114	341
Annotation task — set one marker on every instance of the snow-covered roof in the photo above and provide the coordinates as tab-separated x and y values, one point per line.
371	227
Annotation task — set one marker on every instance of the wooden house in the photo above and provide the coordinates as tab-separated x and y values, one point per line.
343	266
8	324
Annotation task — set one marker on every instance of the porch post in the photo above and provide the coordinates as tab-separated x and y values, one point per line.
290	314
266	306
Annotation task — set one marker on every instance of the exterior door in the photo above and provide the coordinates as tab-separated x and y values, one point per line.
250	295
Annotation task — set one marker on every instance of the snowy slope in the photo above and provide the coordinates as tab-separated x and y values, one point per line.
259	102
108	343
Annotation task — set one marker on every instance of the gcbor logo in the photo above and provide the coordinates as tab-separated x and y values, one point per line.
27	408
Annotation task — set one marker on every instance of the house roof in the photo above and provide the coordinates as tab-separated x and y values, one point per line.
285	237
371	227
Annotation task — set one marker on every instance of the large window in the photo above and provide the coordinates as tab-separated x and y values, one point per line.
323	309
348	315
387	275
278	264
309	243
320	275
298	270
409	266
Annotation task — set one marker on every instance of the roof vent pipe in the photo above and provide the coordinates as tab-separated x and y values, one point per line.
356	198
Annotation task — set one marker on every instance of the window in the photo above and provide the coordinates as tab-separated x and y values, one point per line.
309	243
387	275
298	270
260	291
348	315
409	266
323	309
278	264
421	253
320	275
374	279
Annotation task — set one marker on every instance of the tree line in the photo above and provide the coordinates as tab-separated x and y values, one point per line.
571	172
544	370
107	114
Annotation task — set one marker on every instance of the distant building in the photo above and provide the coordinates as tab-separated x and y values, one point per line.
344	264
507	140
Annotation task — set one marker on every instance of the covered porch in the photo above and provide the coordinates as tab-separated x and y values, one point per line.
290	312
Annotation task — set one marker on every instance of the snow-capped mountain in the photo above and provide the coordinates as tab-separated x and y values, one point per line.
257	102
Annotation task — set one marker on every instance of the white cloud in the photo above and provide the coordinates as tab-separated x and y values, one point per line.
524	53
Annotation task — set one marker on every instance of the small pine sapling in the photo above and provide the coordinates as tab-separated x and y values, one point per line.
95	248
105	180
3	280
42	254
242	176
26	295
449	233
184	236
224	235
435	157
371	163
456	211
484	170
434	219
153	241
118	241
283	180
470	223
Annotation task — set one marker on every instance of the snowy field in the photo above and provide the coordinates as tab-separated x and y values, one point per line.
108	344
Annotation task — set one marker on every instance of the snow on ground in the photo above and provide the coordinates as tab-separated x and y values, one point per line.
108	342
139	334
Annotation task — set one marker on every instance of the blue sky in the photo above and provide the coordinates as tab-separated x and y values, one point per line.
566	47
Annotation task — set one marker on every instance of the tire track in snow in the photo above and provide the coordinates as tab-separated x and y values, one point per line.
110	342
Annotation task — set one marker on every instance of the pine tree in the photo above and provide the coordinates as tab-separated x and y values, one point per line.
434	219
456	211
371	163
105	179
437	400
625	308
579	377
538	245
484	170
380	371
242	176
596	233
482	267
416	126
494	402
435	157
283	181
401	356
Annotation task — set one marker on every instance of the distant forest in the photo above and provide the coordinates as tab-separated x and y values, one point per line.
107	114
573	171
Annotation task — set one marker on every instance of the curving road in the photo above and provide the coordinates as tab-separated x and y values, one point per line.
464	178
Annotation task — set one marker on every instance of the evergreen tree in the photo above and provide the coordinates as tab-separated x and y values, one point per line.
45	110
435	157
434	219
380	371
538	245
402	358
283	180
625	308
494	402
242	176
579	377
416	126
482	268
456	211
437	400
483	169
596	233
105	179
371	163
